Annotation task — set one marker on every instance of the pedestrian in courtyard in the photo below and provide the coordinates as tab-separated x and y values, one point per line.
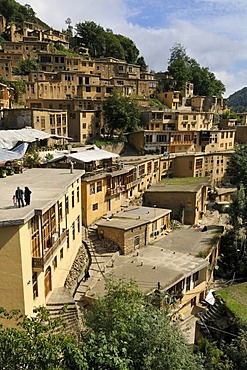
19	196
14	200
27	195
71	166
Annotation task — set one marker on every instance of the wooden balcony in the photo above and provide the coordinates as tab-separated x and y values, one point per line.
38	263
119	189
188	142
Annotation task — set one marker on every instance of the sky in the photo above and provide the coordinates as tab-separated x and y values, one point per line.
213	32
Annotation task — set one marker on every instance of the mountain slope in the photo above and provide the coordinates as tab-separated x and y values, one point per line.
238	100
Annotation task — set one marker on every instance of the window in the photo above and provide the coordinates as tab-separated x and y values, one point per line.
88	89
78	224
60	211
73	231
66	204
188	283
35	285
73	199
78	194
99	186
154	226
137	241
67	238
92	189
95	206
84	125
195	278
61	253
54	263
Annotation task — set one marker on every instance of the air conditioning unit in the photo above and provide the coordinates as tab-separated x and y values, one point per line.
54	237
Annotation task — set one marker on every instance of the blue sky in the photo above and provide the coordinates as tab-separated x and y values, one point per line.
213	32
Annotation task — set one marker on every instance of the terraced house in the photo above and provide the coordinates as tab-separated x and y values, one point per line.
38	242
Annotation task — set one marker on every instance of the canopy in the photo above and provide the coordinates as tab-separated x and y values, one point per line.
92	155
9	138
10	155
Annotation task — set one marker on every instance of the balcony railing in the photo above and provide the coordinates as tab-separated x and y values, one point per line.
190	142
39	262
117	190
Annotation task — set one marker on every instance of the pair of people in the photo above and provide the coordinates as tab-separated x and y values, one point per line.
19	194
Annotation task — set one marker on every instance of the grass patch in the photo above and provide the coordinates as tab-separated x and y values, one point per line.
103	142
185	180
235	299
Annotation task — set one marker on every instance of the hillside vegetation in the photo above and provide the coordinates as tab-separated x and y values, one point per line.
238	100
17	13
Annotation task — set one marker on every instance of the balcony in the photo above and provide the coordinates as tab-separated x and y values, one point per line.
38	263
117	190
188	142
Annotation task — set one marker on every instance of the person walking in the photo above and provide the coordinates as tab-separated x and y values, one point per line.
19	196
27	195
14	200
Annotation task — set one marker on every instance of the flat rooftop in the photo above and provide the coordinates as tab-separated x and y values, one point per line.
102	173
167	260
47	185
153	264
134	217
137	159
121	223
191	241
179	184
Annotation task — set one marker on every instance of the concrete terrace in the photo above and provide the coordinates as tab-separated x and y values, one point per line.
148	266
166	261
46	185
180	184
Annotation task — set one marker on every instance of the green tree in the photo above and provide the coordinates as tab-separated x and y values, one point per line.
15	12
213	357
69	30
143	334
34	345
104	43
233	261
93	37
237	167
19	87
185	69
141	62
121	113
237	350
131	52
179	67
26	66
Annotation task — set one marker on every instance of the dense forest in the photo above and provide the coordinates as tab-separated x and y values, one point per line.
15	12
238	100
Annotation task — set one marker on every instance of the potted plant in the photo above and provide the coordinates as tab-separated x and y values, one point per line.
10	170
3	172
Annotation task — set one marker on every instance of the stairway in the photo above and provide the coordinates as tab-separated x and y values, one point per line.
213	320
61	305
101	254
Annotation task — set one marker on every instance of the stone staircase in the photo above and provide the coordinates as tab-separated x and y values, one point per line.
62	305
101	254
213	320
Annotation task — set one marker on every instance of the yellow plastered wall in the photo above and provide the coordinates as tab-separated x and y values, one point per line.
11	282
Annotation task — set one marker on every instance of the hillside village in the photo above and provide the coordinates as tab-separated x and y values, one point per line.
135	209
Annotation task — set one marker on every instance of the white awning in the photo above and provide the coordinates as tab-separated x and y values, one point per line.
92	155
9	138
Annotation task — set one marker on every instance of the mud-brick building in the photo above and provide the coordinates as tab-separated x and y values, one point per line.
135	227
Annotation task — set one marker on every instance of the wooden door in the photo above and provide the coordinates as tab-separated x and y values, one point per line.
48	286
